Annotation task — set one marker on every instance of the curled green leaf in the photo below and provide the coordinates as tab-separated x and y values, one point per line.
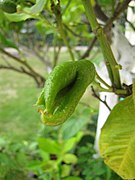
63	89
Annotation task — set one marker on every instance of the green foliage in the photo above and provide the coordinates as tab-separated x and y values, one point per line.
38	7
12	160
26	12
117	141
7	42
56	157
92	168
108	6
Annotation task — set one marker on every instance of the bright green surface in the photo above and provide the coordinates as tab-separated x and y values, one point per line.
63	90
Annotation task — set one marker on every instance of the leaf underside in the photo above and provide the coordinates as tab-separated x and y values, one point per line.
117	140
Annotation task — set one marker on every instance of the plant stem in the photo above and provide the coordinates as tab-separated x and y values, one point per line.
102	81
111	90
111	64
63	35
57	11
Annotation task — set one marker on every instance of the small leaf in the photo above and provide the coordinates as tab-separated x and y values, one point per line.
76	122
7	42
70	158
41	99
73	178
26	12
45	155
65	170
117	140
69	144
16	17
34	164
49	146
38	7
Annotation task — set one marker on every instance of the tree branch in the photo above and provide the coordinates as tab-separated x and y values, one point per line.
74	33
132	26
90	46
98	97
99	13
119	9
37	77
22	70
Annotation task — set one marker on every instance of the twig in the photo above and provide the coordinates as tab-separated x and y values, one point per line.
41	57
90	46
132	26
97	96
102	81
99	13
74	33
119	9
56	9
30	71
19	60
10	68
21	70
56	55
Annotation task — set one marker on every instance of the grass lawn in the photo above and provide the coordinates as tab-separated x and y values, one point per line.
18	118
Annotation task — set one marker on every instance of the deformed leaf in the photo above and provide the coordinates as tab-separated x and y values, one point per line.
117	140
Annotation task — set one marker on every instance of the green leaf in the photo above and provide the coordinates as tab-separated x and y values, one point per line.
76	122
72	178
16	17
69	144
7	42
70	158
49	146
65	170
34	164
117	140
38	7
26	12
45	155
